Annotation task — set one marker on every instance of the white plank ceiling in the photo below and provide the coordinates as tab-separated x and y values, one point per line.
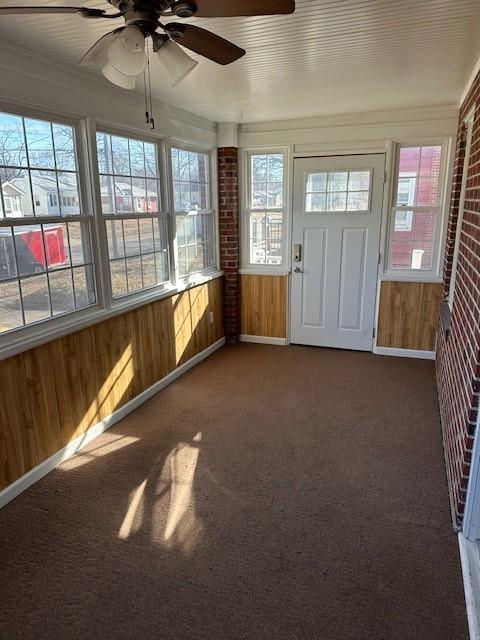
330	57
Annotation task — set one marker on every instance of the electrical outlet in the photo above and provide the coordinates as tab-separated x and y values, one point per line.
211	317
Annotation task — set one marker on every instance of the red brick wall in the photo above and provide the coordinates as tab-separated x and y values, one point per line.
458	349
229	238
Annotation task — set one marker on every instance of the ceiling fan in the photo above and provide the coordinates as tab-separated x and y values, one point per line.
122	50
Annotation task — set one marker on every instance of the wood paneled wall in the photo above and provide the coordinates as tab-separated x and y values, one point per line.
54	393
408	315
263	306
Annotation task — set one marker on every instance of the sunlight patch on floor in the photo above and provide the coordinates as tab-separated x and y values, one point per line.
132	522
113	443
183	462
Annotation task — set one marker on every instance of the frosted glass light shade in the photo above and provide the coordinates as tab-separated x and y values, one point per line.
120	79
177	63
127	53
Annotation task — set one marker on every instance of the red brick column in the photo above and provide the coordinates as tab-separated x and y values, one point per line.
458	343
229	239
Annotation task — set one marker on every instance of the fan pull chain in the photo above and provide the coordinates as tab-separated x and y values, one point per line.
148	92
147	115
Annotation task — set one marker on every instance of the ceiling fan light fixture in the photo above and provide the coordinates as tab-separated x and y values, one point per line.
176	62
127	53
118	78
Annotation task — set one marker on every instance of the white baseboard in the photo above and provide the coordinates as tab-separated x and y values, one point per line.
470	559
32	476
404	353
262	339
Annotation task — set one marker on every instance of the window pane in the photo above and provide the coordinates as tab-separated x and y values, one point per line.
150	160
30	249
419	175
357	201
64	143
413	238
123	195
116	246
259	195
359	181
316	202
139	194
16	191
134	274
79	239
275	167
132	237
266	187
83	280
427	192
61	291
266	238
153	198
45	193
137	158
69	196
10	306
56	245
317	182
336	201
39	144
146	236
338	181
119	278
107	192
149	270
275	195
8	263
35	298
161	249
120	156
104	153
12	147
190	181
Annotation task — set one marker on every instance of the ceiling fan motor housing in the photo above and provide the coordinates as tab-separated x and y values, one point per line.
184	9
121	5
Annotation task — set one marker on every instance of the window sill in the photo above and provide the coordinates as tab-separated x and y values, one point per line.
33	336
405	277
267	271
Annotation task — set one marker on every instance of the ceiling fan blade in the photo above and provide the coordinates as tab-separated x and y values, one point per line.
205	43
222	9
85	12
26	10
97	54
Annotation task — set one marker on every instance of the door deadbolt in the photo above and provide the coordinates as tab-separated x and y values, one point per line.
297	252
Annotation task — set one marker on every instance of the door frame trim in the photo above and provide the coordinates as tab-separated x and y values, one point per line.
388	151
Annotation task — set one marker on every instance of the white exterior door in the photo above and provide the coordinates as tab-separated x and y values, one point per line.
336	234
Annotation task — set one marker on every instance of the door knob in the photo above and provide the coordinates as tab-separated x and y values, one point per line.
298	270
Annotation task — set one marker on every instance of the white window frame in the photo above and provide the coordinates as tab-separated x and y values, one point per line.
30	336
247	267
197	276
164	212
435	273
469	123
11	340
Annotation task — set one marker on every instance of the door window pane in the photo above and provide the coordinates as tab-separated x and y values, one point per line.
338	192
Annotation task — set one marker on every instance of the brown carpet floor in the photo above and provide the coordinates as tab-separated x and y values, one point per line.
270	493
